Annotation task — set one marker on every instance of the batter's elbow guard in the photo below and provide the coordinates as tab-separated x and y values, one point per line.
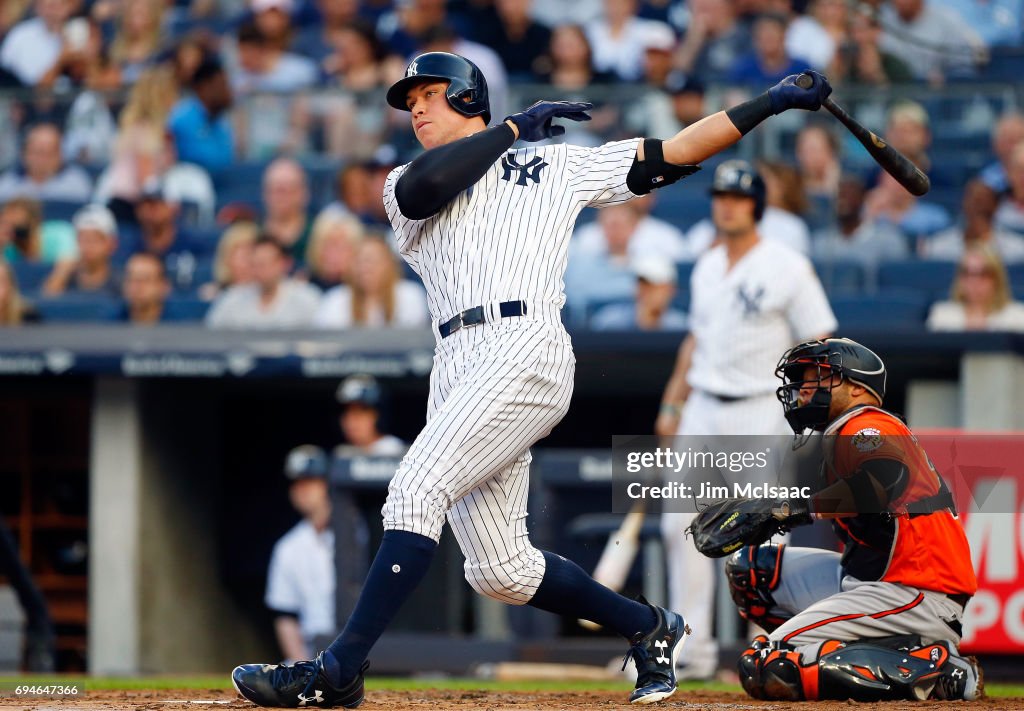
653	171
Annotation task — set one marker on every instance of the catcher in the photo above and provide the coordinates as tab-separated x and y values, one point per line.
883	620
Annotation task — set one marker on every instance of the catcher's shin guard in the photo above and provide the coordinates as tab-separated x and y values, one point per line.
753	573
771	670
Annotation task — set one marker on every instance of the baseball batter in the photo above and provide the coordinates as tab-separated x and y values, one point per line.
487	228
751	298
883	620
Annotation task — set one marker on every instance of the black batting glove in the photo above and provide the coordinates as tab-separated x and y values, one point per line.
787	94
534	123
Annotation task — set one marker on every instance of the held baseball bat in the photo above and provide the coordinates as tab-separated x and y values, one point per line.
892	161
618	555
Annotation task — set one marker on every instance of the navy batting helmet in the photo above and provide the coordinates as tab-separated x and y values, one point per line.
306	461
467	88
359	389
738	177
833	356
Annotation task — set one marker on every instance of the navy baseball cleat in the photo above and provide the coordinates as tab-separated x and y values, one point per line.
655	656
296	685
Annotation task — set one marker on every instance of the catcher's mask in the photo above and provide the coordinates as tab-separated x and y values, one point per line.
833	360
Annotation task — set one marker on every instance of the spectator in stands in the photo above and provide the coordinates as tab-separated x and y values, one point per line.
977	228
569	64
1009	132
599	265
861	60
24	236
915	218
265	68
519	40
659	46
285	206
188	54
274	20
332	249
93	271
44	175
375	296
145	289
83	63
648	236
352	192
361	402
11	13
1010	213
555	13
854	239
158	233
651	309
138	37
831	16
806	40
781	221
931	40
714	40
405	28
817	158
907	130
301	578
232	264
33	46
361	62
981	298
272	300
14	309
687	94
199	123
140	150
768	62
319	40
617	39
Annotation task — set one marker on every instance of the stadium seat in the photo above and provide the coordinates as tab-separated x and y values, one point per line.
894	308
681	206
683	272
30	275
61	209
182	309
931	278
841	277
78	308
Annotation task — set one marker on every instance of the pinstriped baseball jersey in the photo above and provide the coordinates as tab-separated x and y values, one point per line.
507	237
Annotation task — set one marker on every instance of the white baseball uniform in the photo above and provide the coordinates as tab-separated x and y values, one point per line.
498	387
743	319
301	579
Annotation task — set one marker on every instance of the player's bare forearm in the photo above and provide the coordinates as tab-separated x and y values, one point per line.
676	391
699	141
289	637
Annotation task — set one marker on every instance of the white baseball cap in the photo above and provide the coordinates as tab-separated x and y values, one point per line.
658	35
654	270
285	6
95	217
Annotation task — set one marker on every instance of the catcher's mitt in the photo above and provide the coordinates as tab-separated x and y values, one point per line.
726	525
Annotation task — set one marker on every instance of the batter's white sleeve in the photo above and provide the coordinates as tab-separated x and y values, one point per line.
809	313
599	174
282	593
402	225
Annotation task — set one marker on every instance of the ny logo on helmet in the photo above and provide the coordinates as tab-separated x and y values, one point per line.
412	70
508	164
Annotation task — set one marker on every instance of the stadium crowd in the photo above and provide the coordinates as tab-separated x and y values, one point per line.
223	160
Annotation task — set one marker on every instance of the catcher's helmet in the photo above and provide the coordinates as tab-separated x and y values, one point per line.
832	356
306	461
467	88
738	177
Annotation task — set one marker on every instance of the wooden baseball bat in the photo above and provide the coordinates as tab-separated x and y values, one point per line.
892	161
619	553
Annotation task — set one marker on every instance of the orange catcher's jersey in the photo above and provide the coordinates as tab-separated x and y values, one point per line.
922	550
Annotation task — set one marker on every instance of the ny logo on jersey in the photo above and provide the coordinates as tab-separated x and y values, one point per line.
662	645
316	698
508	164
750	299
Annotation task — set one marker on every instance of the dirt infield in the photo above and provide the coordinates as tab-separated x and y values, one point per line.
438	700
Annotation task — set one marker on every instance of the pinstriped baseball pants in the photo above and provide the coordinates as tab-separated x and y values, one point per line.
495	389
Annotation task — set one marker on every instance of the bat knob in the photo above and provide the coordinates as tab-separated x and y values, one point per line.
805	81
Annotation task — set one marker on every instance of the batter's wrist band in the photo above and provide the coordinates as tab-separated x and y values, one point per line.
750	113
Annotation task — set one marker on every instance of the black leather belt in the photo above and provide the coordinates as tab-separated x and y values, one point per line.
960	599
726	398
475	317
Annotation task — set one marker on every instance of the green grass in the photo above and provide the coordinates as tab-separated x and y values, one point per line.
397	684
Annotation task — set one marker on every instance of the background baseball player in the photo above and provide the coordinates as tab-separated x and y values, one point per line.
487	228
301	576
750	299
361	399
882	621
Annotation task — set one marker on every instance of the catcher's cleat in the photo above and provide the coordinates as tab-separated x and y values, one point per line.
296	685
655	656
961	678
